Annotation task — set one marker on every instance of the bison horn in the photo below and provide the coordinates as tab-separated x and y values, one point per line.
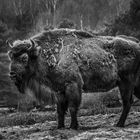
33	44
9	44
36	49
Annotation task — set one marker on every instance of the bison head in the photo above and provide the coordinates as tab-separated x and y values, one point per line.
22	55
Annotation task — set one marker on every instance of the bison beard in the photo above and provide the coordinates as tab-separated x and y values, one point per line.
62	61
40	91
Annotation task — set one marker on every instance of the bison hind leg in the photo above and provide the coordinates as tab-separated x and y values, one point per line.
73	95
137	91
126	91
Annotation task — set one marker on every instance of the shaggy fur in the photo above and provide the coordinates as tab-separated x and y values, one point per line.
57	65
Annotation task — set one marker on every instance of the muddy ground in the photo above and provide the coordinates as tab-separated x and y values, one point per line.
98	127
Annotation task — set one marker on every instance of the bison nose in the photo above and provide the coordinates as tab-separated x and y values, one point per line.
12	74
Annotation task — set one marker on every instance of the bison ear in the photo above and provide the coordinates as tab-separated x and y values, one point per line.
35	49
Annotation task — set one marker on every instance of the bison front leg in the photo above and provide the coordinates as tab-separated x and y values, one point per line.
73	94
126	91
61	109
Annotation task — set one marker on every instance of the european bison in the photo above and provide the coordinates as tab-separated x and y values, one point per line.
60	63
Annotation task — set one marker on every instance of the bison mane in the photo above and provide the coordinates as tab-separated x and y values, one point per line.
50	35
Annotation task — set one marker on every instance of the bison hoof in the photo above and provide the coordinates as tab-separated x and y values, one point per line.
119	125
60	127
75	127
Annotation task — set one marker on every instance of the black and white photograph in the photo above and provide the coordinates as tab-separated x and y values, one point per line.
69	69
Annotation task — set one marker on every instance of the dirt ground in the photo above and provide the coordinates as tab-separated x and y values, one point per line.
92	127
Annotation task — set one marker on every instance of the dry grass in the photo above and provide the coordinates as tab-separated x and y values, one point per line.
102	103
98	102
92	104
24	118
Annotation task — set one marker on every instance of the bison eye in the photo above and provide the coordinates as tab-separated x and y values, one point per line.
24	57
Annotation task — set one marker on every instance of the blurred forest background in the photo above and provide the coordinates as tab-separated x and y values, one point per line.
20	19
23	18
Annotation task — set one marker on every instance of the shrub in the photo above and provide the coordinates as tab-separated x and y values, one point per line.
111	99
98	101
66	23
